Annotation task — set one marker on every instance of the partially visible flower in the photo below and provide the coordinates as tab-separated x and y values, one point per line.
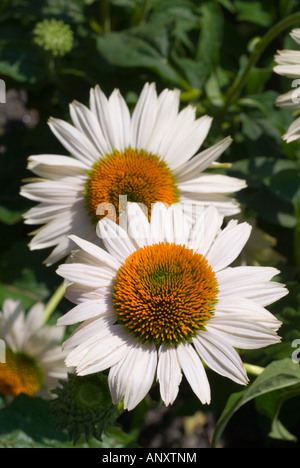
162	299
288	64
148	157
34	359
83	406
53	36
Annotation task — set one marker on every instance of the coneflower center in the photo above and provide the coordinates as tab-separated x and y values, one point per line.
133	176
165	293
19	374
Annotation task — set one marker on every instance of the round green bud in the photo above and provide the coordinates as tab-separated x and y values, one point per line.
53	36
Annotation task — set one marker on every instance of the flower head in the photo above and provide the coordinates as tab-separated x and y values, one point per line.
34	360
83	406
147	157
288	64
162	298
54	36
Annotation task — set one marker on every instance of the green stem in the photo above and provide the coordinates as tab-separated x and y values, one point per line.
254	370
54	300
140	13
258	50
105	15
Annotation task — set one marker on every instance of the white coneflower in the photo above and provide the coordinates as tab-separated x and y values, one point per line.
34	360
288	64
162	299
149	156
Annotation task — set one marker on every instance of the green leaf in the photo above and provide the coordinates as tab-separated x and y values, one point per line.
285	184
270	405
19	58
278	375
208	51
27	419
253	12
124	50
9	216
280	432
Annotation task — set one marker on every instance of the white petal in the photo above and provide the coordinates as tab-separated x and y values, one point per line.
143	117
184	120
168	374
201	161
34	319
293	132
74	141
43	213
167	110
138	225
205	229
85	311
104	353
295	34
120	119
243	334
64	247
187	141
51	233
225	205
52	166
176	227
194	372
212	183
115	239
87	122
67	190
220	356
100	107
228	245
78	294
252	283
288	101
12	324
157	222
242	308
87	275
90	331
133	377
246	274
100	255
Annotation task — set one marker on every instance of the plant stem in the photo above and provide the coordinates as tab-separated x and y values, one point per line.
54	300
140	14
260	47
254	370
105	15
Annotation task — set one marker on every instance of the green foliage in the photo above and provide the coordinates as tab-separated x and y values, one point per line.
281	379
219	53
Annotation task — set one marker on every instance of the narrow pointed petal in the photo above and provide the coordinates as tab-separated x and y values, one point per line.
220	356
194	372
168	374
133	377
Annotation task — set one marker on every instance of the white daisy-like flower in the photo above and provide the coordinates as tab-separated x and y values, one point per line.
33	358
288	64
161	299
147	157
